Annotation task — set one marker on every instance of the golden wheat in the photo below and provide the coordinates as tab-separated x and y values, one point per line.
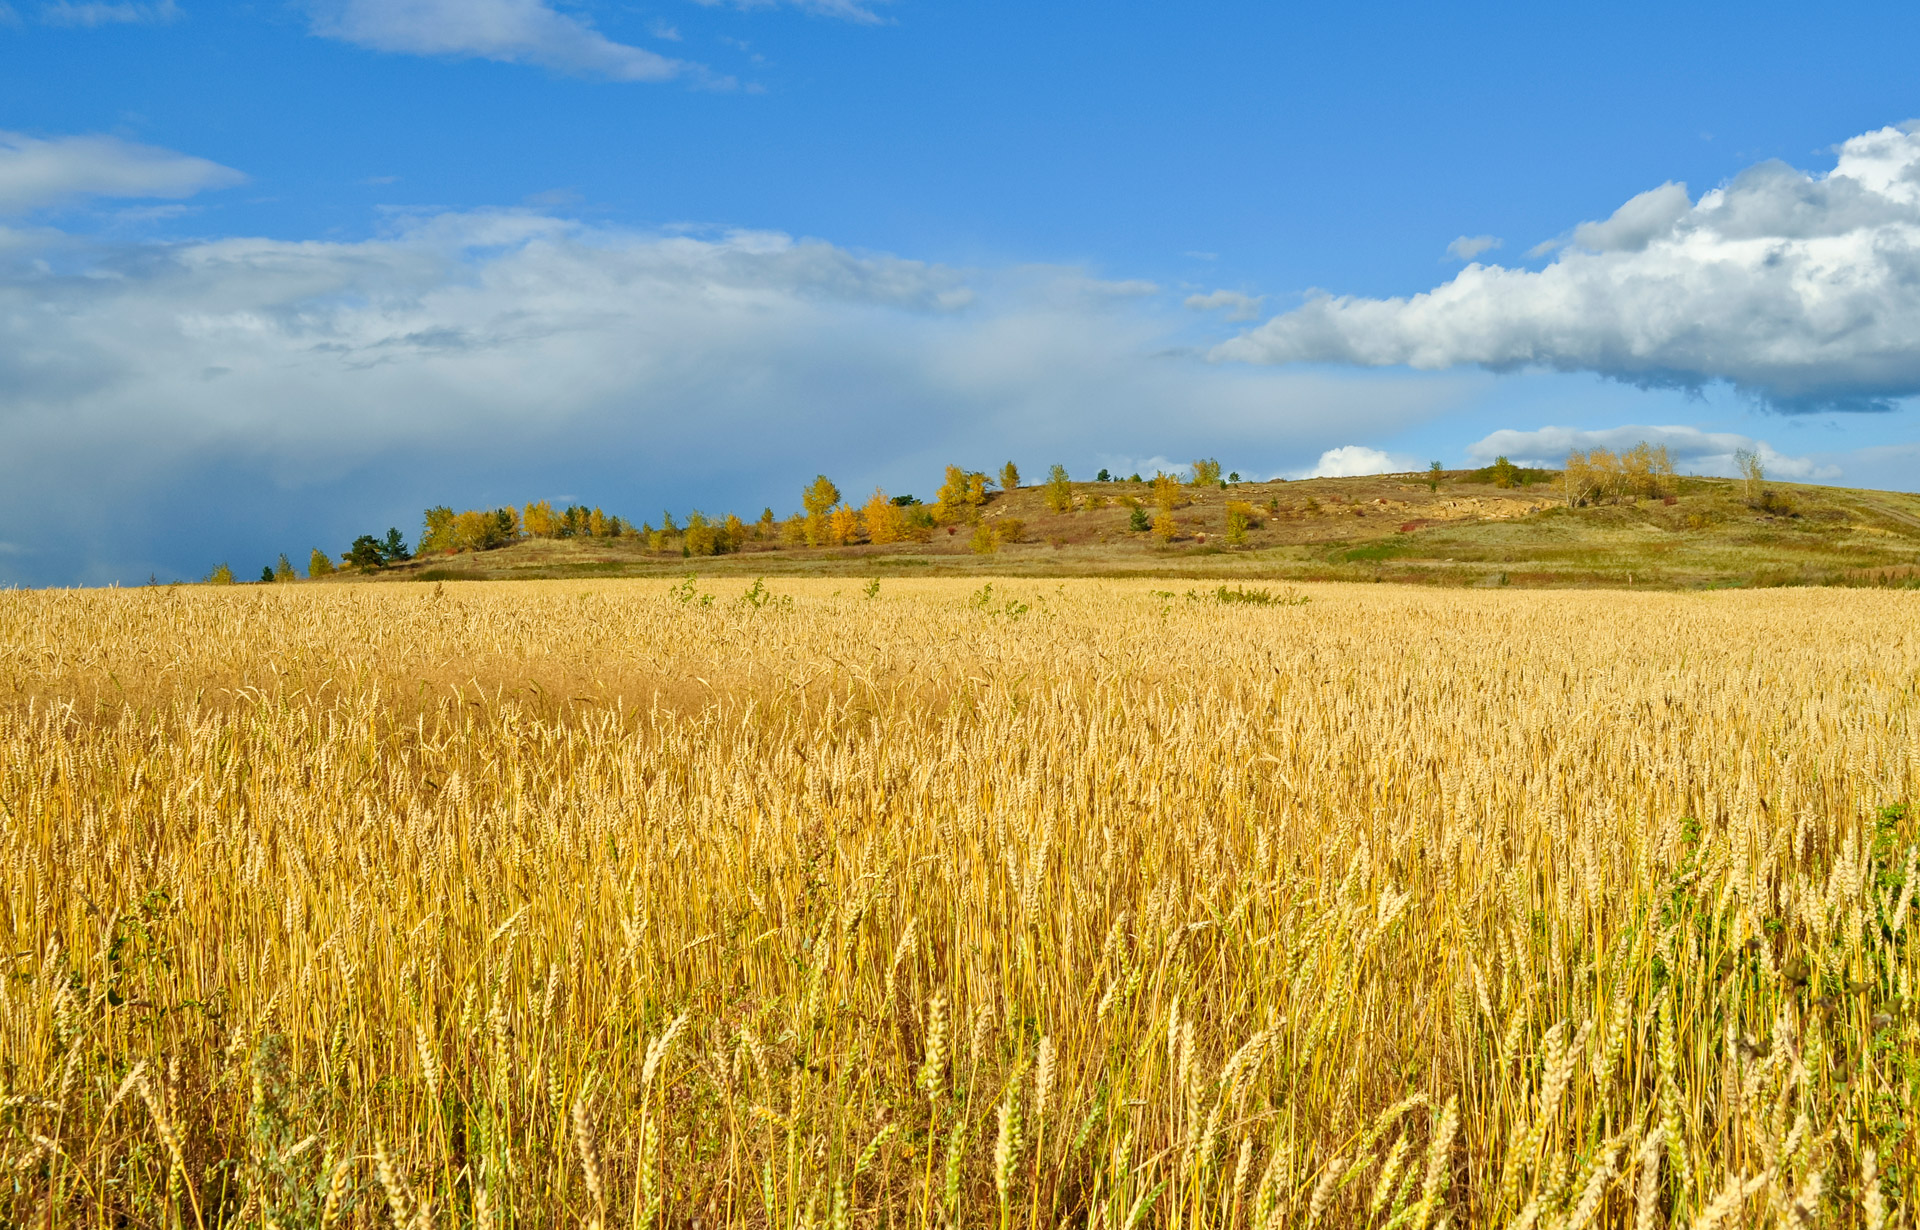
603	903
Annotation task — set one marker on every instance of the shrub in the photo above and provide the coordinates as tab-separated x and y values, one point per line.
1258	597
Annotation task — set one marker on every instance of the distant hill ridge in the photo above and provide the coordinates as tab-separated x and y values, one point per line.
1487	527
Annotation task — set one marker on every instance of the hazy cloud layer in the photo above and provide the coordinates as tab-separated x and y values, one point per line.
1693	451
1800	289
848	10
1232	304
91	15
511	31
171	398
35	173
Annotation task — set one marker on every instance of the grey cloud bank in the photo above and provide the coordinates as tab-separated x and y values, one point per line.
168	405
1801	290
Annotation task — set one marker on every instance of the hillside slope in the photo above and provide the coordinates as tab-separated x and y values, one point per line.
1387	528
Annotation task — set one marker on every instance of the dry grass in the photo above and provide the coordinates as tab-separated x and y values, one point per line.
574	903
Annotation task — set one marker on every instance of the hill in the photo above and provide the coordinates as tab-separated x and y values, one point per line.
1703	533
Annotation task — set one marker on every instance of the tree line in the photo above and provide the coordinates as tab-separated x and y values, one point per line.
827	519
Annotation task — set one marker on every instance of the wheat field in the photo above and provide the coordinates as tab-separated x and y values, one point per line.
1030	904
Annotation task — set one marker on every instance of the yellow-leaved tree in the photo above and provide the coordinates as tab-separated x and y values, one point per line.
1009	477
539	519
961	496
818	499
886	521
1643	467
1059	490
702	536
438	535
320	565
843	524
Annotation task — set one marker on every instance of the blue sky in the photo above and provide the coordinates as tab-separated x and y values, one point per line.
275	274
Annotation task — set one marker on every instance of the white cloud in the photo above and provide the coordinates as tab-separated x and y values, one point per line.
91	15
511	31
1355	461
1235	305
849	10
1800	289
1467	247
198	388
36	173
1693	451
1122	467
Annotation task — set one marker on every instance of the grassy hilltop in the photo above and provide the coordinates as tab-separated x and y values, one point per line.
1466	531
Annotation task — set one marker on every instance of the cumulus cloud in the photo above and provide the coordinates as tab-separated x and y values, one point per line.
510	31
1354	461
1693	451
181	398
1234	305
1801	290
1467	247
93	14
1146	466
35	173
